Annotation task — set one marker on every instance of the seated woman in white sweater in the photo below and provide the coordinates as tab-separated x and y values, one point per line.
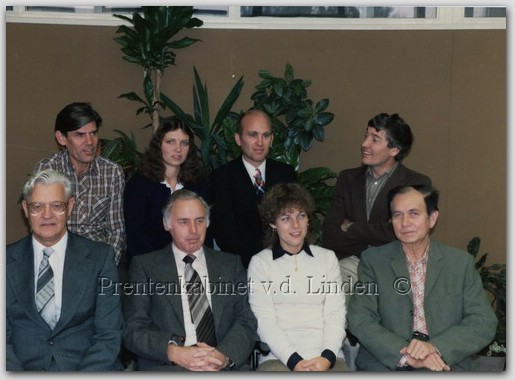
296	289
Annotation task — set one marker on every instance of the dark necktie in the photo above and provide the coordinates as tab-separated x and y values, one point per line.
200	311
259	183
45	295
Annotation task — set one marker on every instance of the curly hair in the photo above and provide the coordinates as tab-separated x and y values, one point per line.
280	198
152	165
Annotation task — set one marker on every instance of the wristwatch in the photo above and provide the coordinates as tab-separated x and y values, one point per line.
230	364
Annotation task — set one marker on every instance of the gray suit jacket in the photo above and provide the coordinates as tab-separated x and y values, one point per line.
89	332
154	313
459	318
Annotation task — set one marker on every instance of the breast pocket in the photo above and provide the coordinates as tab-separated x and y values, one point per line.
98	208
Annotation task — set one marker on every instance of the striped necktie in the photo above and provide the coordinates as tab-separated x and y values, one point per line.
200	311
45	294
259	184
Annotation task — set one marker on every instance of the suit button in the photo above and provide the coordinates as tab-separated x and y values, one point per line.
411	313
51	342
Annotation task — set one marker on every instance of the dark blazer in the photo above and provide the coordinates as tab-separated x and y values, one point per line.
459	318
144	200
348	202
236	223
88	335
152	317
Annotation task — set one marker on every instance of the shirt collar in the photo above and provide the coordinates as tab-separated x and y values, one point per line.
181	254
59	248
423	259
386	174
252	170
278	251
93	167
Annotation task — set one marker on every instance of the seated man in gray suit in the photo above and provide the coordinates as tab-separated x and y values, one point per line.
57	320
419	304
187	305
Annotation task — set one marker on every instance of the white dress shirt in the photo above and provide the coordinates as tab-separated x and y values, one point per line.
201	267
251	169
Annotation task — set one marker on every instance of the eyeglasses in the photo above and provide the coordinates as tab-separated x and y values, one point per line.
57	208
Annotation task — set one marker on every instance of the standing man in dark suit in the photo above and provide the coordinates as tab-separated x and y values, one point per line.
236	191
359	217
57	319
162	328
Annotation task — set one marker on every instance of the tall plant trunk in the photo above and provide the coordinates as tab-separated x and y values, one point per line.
156	98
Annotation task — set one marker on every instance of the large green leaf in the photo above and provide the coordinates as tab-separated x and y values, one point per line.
324	118
228	103
322	105
148	43
201	102
132	96
288	73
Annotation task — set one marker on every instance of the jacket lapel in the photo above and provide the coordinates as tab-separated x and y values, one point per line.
78	268
165	270
242	175
397	178
399	266
359	195
217	280
435	264
20	275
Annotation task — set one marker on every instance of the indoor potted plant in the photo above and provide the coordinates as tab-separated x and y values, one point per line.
494	281
148	43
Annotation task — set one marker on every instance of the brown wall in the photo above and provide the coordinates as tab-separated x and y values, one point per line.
450	86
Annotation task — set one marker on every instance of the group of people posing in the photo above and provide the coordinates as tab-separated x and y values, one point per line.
217	262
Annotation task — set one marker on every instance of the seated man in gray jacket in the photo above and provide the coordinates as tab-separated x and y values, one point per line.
188	305
418	304
57	317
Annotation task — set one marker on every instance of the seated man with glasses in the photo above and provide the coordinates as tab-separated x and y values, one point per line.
58	319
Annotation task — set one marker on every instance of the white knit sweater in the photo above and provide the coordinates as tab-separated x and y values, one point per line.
298	303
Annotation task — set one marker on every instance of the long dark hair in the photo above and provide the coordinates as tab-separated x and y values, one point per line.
152	165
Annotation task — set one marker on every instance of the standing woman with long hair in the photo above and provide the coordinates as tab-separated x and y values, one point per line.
171	162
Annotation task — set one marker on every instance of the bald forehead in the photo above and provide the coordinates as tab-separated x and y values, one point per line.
256	120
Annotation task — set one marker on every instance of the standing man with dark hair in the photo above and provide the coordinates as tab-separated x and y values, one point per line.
99	183
358	217
57	317
423	305
238	186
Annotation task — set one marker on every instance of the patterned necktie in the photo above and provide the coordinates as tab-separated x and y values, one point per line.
201	314
45	295
259	183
